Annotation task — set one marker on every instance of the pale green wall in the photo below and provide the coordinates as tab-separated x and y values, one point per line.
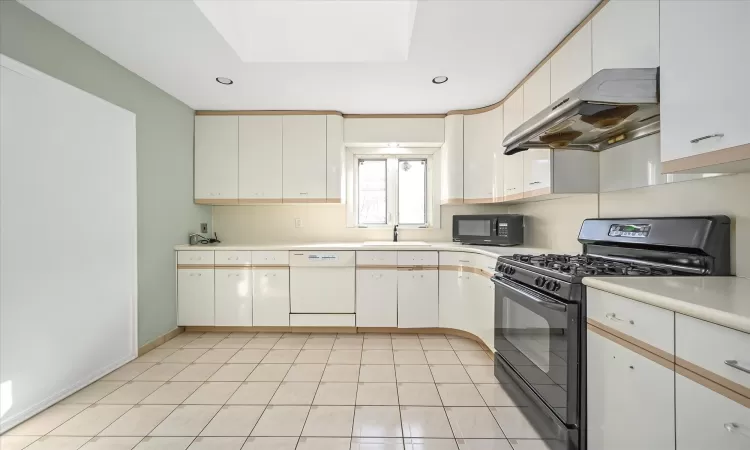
164	143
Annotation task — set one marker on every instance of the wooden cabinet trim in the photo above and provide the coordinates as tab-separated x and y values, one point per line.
714	378
194	266
376	267
537	192
470	201
714	158
216	201
416	267
715	387
467	269
258	201
304	200
631	344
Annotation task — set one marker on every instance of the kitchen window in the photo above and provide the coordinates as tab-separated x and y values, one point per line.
392	190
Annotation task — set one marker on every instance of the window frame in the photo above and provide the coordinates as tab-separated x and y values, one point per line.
393	156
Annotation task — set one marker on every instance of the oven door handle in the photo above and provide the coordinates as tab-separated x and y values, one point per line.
539	300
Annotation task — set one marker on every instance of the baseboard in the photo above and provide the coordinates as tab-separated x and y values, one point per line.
8	423
147	347
348	330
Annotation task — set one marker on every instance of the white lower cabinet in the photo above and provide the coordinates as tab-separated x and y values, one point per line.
195	297
377	298
630	399
451	309
708	420
271	297
233	297
417	298
482	307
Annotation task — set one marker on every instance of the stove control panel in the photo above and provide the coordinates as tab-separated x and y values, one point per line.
629	230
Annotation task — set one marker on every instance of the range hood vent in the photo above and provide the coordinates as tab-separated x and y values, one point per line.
611	108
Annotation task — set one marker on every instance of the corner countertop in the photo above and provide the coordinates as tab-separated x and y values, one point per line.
722	300
378	246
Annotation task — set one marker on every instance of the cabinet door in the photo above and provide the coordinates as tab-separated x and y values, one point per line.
482	306
571	65
195	297
537	167
615	45
480	141
260	159
233	293
216	159
450	307
452	164
704	89
270	297
335	159
630	399
708	420
513	165
417	298
304	157
377	298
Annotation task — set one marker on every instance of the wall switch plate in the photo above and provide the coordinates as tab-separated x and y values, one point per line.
204	228
298	223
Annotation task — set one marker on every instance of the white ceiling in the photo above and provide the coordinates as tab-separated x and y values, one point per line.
485	47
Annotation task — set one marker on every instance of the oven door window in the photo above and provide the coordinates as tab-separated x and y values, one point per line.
531	335
474	227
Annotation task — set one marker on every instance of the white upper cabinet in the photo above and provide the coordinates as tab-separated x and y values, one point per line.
625	34
704	85
335	159
537	169
482	137
260	159
452	161
216	159
513	165
571	65
411	131
304	159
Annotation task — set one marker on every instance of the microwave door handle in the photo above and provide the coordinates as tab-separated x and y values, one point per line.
555	306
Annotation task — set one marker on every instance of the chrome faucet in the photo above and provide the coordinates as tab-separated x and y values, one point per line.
395	233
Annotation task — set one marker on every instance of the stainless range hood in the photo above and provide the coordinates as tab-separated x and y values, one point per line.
613	107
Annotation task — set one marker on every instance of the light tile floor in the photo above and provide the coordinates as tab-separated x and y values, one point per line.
274	391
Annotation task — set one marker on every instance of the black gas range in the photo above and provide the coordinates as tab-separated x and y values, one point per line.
540	308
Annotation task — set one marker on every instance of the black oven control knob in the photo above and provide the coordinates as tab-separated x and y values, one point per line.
509	270
552	286
539	281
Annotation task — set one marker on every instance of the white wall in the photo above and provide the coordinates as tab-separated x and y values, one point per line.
68	245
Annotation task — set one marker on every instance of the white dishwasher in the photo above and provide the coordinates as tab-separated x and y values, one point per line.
322	282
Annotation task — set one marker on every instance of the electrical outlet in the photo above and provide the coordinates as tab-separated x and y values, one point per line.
204	228
298	223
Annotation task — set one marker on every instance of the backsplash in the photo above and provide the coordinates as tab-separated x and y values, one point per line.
274	224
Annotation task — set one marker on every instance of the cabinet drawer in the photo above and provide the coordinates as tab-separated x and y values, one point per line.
198	258
321	320
649	324
703	346
377	258
270	258
708	420
321	258
417	258
233	258
457	259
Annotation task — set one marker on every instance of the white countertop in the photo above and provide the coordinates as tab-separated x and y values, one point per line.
363	246
721	300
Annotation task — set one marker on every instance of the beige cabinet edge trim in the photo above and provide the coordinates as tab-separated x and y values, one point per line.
269	113
216	201
471	201
232	266
304	200
259	201
714	158
549	56
467	269
537	192
195	266
147	347
376	267
705	378
632	344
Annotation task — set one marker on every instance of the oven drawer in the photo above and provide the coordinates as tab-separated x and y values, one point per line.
719	350
649	324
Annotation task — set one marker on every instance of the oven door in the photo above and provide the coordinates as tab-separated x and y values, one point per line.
538	336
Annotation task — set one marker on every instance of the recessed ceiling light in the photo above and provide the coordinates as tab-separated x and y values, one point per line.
440	80
227	81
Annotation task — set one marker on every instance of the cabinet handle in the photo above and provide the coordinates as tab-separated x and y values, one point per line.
463	261
734	364
708	136
196	259
612	316
535	182
303	193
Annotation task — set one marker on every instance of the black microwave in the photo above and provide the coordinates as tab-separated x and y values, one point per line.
488	229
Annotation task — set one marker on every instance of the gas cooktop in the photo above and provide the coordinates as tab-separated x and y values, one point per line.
590	265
